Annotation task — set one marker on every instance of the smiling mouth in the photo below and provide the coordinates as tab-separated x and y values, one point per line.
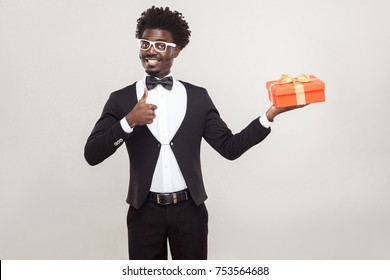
151	60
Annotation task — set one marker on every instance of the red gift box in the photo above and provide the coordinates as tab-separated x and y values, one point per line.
288	91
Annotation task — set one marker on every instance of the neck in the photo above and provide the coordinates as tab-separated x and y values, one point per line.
160	76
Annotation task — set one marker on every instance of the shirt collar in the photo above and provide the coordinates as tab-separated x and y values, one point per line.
170	74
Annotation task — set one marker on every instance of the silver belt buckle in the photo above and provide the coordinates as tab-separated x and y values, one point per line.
159	199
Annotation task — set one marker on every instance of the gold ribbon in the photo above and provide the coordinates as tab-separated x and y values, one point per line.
298	86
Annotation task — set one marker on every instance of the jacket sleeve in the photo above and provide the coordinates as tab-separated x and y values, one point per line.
107	135
221	138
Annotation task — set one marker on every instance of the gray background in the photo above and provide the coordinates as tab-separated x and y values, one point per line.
316	188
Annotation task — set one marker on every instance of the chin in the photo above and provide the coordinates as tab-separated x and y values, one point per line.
152	72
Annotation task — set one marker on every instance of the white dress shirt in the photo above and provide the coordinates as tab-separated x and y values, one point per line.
171	108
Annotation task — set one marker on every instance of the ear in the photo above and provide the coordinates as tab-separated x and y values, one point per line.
176	52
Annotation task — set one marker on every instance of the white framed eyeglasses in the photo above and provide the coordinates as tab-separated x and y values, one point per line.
159	46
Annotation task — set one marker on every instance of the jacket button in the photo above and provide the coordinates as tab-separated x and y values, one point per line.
159	145
171	143
118	142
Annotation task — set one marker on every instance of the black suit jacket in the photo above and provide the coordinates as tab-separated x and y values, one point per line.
201	120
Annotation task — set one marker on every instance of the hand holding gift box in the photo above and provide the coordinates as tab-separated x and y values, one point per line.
288	91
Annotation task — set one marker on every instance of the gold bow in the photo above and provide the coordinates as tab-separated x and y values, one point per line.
297	81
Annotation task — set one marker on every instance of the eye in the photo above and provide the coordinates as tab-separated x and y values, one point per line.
160	46
144	44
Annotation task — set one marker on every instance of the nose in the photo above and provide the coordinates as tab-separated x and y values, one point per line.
151	50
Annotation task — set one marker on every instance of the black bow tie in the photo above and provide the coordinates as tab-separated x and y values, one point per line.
152	82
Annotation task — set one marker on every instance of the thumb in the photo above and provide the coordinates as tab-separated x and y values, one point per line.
143	99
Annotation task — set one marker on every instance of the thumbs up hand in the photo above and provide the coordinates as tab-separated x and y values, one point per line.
142	113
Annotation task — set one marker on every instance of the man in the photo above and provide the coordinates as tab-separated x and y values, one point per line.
162	122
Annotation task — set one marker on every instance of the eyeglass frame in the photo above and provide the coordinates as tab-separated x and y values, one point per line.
167	44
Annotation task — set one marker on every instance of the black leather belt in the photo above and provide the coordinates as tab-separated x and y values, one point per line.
169	198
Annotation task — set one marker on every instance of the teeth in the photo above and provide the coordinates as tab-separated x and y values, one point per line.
152	61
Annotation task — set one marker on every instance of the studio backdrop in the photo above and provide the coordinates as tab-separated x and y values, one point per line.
318	187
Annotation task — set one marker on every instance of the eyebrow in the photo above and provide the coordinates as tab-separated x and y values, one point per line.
158	40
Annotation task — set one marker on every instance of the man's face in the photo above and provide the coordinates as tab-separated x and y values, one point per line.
158	64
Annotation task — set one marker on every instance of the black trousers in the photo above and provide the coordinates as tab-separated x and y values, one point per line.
184	224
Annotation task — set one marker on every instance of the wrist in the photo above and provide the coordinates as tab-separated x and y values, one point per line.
130	121
271	113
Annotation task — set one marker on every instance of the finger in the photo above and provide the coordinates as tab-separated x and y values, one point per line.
153	107
143	99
